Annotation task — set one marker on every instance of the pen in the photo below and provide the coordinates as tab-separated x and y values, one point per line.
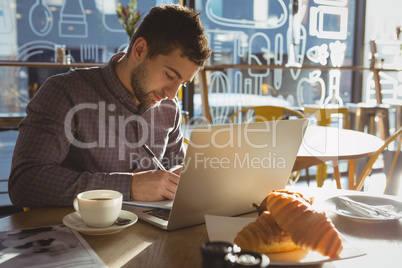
153	157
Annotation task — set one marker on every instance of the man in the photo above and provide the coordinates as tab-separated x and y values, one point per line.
85	129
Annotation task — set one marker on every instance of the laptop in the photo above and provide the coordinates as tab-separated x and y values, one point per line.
226	169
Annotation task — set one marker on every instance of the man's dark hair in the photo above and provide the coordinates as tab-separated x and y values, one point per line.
168	27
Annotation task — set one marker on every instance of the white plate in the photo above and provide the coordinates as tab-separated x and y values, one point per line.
335	205
74	221
221	228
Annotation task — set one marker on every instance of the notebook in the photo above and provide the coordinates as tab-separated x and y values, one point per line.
226	169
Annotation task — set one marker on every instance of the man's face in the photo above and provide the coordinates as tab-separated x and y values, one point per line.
138	78
161	78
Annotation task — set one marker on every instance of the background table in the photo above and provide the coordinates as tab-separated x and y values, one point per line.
321	144
143	245
10	120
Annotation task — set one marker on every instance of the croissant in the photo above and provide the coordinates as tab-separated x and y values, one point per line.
263	206
264	236
307	227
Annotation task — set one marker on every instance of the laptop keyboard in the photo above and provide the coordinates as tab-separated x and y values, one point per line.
159	213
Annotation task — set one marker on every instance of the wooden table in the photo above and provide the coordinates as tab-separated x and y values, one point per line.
11	120
321	144
143	245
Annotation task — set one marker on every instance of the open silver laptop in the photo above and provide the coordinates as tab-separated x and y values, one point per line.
226	169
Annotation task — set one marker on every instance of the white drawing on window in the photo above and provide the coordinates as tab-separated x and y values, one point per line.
108	10
6	19
331	2
248	86
317	85
318	16
264	47
89	53
221	40
8	33
337	56
278	60
40	18
73	21
318	54
29	49
217	45
384	29
389	87
296	53
333	90
268	23
238	82
296	37
219	84
295	16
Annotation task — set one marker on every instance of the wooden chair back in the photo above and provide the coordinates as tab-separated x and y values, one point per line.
323	115
265	113
369	166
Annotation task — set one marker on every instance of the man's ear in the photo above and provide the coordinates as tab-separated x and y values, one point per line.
139	50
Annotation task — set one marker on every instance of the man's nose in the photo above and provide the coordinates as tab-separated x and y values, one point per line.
172	91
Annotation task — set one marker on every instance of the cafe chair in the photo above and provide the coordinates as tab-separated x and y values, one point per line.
369	166
323	115
268	113
371	118
264	113
185	118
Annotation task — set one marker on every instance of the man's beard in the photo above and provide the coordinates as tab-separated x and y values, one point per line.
138	77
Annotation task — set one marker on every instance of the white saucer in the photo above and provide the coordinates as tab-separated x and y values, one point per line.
335	205
74	221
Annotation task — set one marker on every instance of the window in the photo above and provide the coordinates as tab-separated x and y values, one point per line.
260	32
383	19
31	30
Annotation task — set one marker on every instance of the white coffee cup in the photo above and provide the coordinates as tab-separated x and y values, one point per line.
98	208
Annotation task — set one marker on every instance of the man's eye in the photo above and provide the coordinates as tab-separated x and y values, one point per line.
170	77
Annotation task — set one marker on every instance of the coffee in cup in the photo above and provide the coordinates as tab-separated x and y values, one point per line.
98	208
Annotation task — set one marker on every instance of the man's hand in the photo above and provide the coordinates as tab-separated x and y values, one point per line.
154	185
176	169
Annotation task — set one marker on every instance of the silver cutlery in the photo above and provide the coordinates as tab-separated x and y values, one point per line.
366	210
